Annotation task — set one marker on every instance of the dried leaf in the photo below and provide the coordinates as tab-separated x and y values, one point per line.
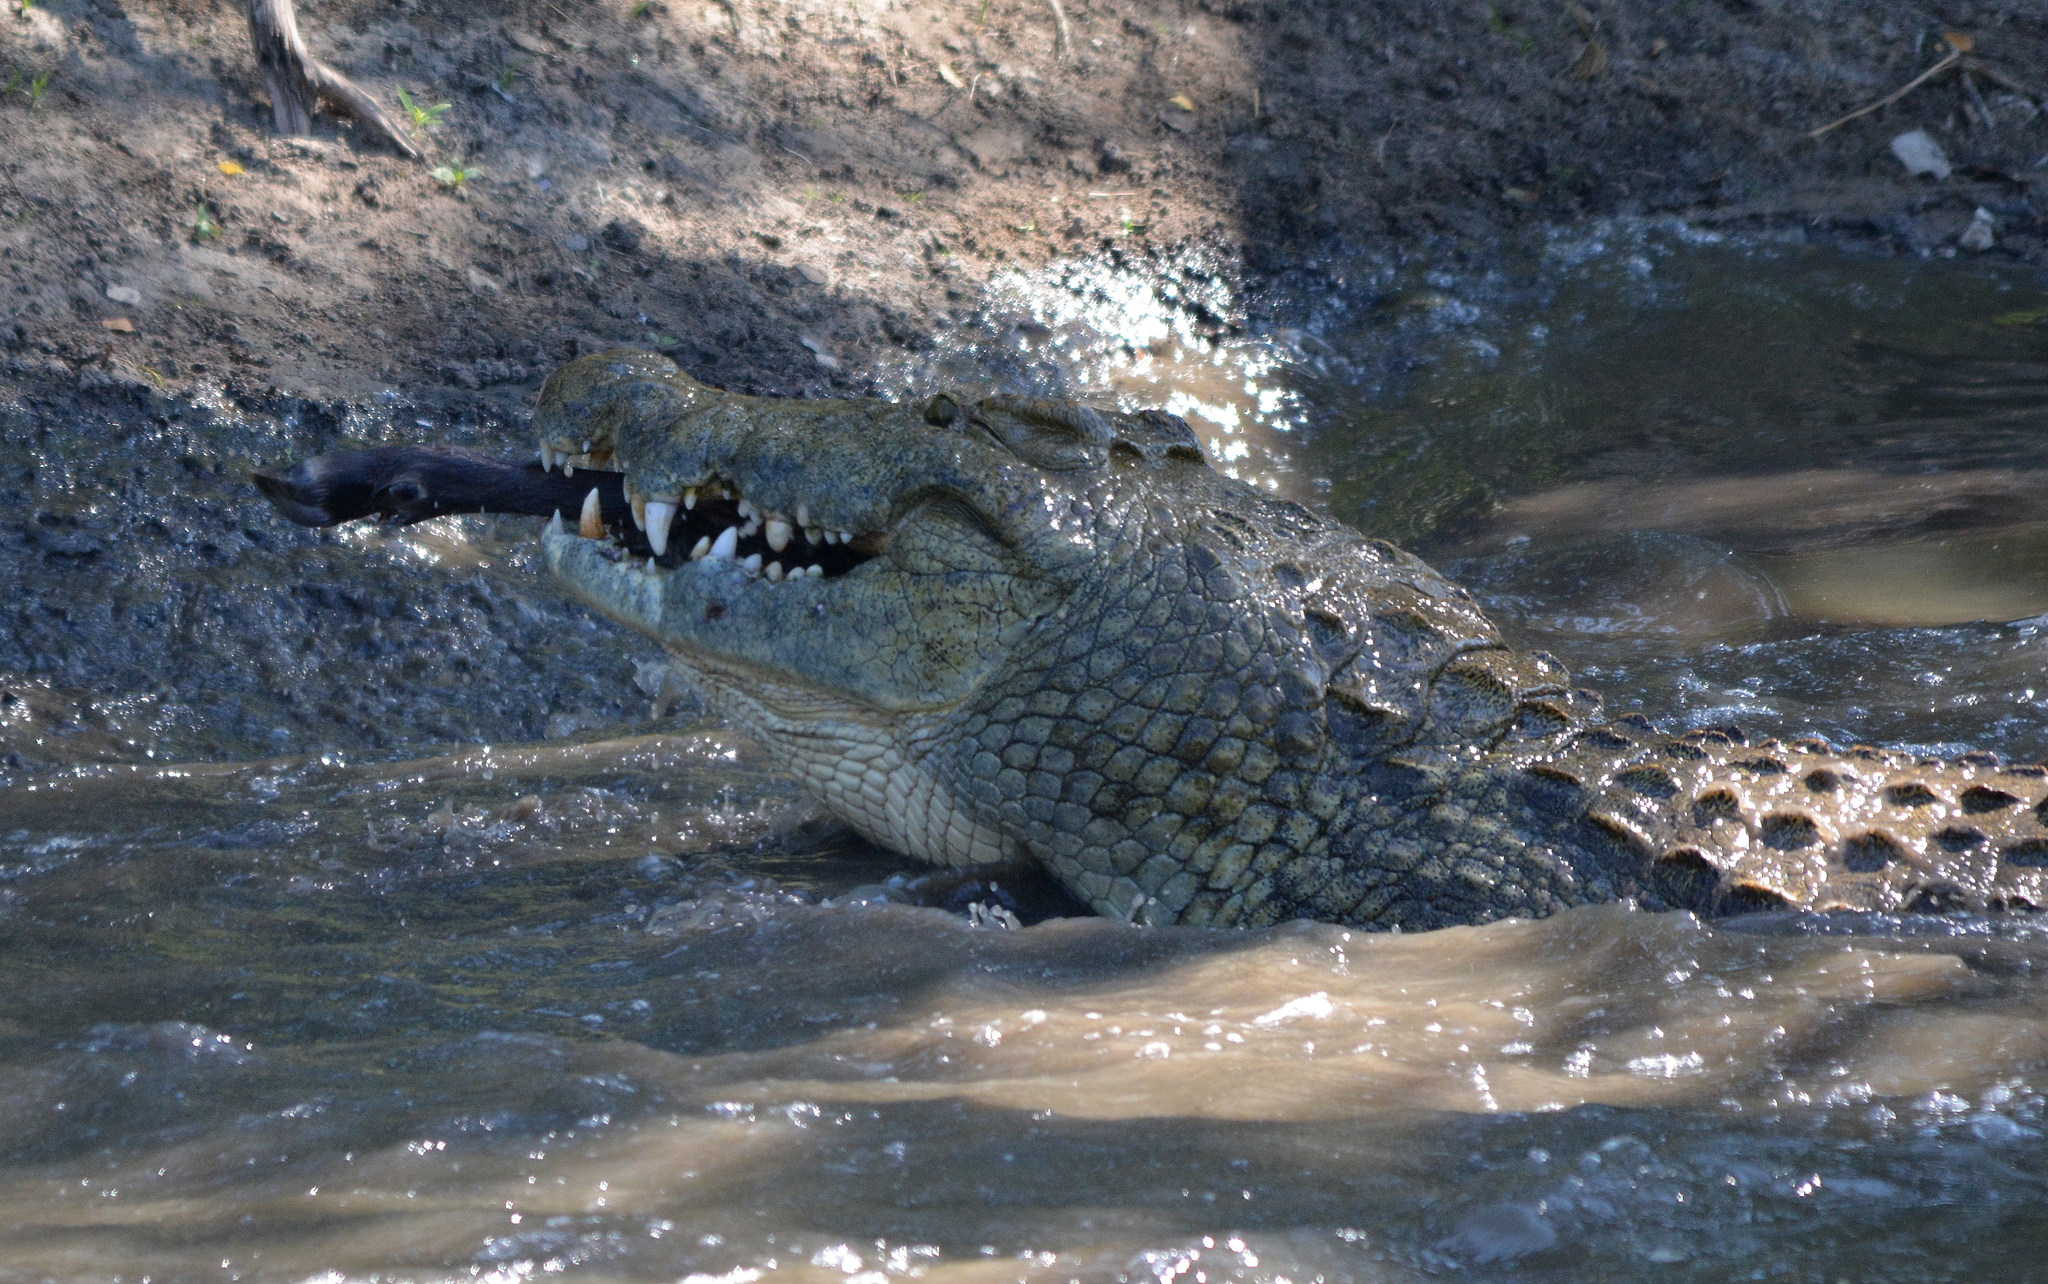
230	168
119	325
1591	61
1958	41
950	76
1183	102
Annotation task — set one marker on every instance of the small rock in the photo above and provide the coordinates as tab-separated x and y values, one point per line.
1502	1232
623	235
127	294
119	325
1977	236
819	350
576	244
1920	154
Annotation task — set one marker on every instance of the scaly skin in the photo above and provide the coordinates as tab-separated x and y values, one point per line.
1057	635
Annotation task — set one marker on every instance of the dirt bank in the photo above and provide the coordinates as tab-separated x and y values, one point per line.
779	191
789	196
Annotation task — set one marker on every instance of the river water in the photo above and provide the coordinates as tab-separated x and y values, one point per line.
361	925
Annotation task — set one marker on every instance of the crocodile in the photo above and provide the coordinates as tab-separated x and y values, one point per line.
1031	630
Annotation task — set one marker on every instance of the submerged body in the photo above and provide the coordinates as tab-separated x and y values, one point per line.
1034	630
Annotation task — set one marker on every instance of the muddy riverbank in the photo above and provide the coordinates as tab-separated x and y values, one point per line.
791	198
787	195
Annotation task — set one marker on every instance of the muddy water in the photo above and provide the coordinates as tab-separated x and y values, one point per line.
603	1000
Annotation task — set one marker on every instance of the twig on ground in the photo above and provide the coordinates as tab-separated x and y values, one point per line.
1957	57
1977	100
1953	57
1063	40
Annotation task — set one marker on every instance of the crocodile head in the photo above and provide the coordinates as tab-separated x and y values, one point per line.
977	630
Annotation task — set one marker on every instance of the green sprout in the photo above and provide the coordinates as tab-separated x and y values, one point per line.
508	74
423	118
33	90
454	175
204	228
641	9
1498	25
911	198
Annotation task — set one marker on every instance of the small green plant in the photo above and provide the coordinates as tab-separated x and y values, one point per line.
204	228
31	87
911	198
423	118
506	75
1126	225
1026	228
1496	24
455	175
25	7
641	9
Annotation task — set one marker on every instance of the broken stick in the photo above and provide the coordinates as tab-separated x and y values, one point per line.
297	80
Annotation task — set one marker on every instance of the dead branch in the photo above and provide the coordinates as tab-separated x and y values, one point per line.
297	80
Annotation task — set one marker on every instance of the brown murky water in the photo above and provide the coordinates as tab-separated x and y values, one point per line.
615	1006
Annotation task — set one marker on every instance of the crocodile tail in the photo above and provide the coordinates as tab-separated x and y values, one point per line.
1711	823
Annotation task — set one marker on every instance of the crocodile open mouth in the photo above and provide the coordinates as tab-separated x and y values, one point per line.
715	522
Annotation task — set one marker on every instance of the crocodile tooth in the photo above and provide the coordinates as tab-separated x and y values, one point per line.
727	543
746	508
547	459
690	497
660	512
640	512
568	469
752	564
555	523
774	572
701	548
803	514
777	531
586	445
590	524
846	537
815	572
810	536
753	525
